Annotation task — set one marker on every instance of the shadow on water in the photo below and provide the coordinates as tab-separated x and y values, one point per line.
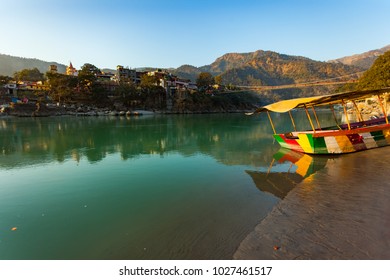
287	169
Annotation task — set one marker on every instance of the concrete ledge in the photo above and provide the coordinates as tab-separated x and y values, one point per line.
340	212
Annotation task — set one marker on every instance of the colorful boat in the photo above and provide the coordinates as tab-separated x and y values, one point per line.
369	131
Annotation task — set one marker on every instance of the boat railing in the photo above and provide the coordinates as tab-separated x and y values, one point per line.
378	121
364	123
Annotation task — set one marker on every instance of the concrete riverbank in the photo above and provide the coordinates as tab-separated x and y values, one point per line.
339	212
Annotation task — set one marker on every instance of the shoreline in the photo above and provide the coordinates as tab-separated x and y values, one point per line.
30	110
340	212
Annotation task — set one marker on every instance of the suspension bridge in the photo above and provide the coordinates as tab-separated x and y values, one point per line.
341	80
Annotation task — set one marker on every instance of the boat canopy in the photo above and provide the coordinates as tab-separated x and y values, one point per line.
287	105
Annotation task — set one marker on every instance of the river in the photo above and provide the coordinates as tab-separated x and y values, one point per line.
147	187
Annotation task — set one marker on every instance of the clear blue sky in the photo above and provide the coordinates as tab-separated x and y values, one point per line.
169	33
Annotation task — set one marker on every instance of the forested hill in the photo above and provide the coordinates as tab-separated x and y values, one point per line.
11	64
268	68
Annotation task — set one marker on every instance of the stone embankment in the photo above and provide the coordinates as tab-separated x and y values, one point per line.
35	110
339	212
369	109
46	110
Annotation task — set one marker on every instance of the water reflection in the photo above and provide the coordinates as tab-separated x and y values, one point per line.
287	169
231	140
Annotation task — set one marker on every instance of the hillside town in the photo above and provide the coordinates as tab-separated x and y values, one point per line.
108	80
90	91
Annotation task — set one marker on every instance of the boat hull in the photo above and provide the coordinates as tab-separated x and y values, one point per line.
336	141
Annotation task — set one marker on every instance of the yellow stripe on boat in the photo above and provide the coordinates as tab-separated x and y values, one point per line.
303	165
305	143
345	144
386	134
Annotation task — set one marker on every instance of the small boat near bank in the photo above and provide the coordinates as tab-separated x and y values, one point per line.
366	133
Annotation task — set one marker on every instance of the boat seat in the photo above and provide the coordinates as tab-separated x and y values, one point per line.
291	135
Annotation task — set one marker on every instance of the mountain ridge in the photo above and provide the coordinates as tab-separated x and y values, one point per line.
251	68
364	60
268	68
11	64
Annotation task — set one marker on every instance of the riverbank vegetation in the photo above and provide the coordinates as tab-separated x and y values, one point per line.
378	76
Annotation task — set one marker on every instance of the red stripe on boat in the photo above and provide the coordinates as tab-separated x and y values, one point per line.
357	142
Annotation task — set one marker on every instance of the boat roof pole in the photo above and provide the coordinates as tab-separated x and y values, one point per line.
270	166
292	120
383	109
346	114
289	169
308	116
334	116
315	116
358	112
272	124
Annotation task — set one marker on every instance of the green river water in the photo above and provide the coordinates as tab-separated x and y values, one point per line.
148	187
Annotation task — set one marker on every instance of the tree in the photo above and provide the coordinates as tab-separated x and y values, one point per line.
148	81
126	90
89	68
32	75
204	80
87	77
378	76
218	80
4	80
62	87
